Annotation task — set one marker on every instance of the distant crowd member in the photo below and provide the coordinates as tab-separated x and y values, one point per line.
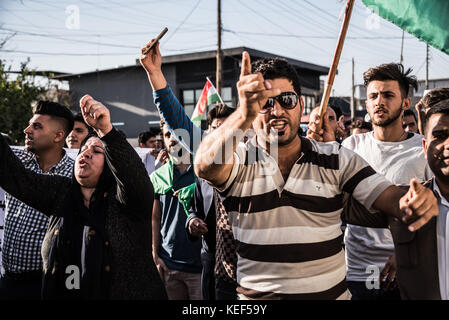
177	259
157	155
360	126
409	121
429	99
285	210
147	139
98	241
79	132
396	154
25	226
335	123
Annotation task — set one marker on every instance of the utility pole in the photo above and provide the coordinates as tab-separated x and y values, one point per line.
402	48
352	93
427	66
219	53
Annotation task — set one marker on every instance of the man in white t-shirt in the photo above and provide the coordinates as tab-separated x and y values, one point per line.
399	156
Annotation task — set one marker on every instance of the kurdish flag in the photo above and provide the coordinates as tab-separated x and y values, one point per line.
426	20
208	97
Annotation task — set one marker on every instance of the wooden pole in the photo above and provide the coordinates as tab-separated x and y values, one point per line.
352	93
427	67
335	60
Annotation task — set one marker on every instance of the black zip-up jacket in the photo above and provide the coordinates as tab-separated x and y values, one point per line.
109	243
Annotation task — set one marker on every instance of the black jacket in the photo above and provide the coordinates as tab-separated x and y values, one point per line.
116	260
203	207
416	252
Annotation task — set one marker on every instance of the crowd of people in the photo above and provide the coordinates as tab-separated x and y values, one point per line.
248	209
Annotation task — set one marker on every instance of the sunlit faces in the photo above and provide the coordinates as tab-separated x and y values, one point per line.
384	102
174	149
150	143
330	114
159	142
409	124
89	163
436	145
279	124
42	133
77	135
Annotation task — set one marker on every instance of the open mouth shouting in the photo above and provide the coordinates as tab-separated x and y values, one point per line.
279	125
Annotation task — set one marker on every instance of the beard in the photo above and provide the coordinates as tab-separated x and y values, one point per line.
389	120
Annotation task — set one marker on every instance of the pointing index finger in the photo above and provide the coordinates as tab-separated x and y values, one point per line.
246	64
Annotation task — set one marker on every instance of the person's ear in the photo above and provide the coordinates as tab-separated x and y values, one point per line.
59	136
406	104
425	146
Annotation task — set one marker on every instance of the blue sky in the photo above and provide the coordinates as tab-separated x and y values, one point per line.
111	33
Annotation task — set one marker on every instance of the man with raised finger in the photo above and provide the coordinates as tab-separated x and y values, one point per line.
284	192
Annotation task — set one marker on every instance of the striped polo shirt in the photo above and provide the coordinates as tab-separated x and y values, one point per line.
288	234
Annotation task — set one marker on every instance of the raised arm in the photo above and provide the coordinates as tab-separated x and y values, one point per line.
134	187
166	102
39	191
214	159
414	207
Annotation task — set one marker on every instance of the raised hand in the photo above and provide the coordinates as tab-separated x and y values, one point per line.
419	205
324	134
253	90
152	61
96	115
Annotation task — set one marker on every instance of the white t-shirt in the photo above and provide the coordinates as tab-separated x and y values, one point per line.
399	162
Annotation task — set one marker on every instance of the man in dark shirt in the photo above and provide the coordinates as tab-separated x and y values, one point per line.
176	258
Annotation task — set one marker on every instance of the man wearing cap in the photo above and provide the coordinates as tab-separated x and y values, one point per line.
24	226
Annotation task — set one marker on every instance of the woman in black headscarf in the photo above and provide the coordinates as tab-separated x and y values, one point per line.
98	242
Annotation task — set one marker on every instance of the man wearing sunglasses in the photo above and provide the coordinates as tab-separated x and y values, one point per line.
283	192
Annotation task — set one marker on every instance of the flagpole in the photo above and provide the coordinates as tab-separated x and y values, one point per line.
335	60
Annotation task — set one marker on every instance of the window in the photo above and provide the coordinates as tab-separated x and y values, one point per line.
309	104
190	98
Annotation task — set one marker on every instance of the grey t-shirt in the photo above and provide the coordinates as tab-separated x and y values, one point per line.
399	162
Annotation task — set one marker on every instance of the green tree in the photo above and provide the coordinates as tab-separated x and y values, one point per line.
16	98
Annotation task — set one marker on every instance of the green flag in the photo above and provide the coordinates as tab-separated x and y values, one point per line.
426	20
162	180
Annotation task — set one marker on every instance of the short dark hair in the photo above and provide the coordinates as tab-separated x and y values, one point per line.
144	136
274	68
360	124
440	107
433	96
220	110
79	118
392	71
409	112
57	111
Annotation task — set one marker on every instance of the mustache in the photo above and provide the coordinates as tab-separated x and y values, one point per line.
380	109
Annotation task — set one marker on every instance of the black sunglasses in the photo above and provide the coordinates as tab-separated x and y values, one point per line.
287	100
